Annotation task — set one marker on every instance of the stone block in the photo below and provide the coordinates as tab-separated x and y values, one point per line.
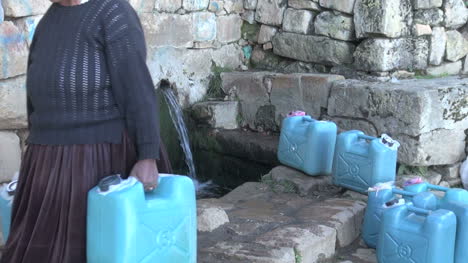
249	16
426	4
335	26
250	4
304	4
270	12
168	30
210	217
429	119
14	8
13	103
438	43
204	26
432	17
316	49
14	48
285	94
217	7
266	34
344	215
195	5
457	46
298	21
381	54
229	28
316	91
217	114
234	6
10	155
268	46
28	25
231	251
453	68
456	13
310	243
168	5
303	184
389	18
422	30
449	171
251	92
339	5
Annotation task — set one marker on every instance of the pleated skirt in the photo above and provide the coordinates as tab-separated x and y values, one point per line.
49	210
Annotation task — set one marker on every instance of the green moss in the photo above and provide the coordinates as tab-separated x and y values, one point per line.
279	186
420	76
215	85
297	256
416	170
250	31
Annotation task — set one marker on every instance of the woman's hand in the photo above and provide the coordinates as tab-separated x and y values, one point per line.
147	173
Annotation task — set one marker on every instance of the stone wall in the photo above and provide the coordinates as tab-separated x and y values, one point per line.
187	40
345	36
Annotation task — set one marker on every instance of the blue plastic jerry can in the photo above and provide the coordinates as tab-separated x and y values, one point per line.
125	224
307	144
455	200
415	235
362	161
7	192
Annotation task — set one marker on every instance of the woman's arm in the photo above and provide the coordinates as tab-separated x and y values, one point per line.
133	88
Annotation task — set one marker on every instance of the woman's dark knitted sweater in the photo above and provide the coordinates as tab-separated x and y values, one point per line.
87	79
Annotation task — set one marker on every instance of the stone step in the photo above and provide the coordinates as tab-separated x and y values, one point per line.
270	222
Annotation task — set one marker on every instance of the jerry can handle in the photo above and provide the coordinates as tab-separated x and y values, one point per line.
404	193
307	118
438	188
420	211
366	137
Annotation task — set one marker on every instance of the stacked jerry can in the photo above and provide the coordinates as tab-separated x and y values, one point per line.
125	224
307	144
361	161
7	192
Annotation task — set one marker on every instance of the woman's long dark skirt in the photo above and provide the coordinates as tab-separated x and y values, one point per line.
49	211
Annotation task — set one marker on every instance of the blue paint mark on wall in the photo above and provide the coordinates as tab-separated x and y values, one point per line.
7	42
204	26
2	13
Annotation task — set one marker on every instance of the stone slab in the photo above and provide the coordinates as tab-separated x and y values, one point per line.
229	28
14	47
217	114
210	217
10	155
335	26
430	114
443	69
438	43
168	30
270	12
13	113
298	21
339	5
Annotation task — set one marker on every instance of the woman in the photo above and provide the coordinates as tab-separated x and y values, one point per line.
92	112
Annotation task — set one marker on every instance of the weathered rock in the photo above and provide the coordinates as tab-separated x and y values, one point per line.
143	6
457	46
456	13
159	30
230	251
465	65
210	217
250	4
168	5
232	61
248	16
342	214
449	171
438	43
401	112
365	255
13	103
432	17
380	54
304	4
298	21
14	8
342	6
426	4
268	46
310	244
234	6
28	25
453	68
204	26
217	114
229	28
266	34
14	51
316	91
390	18
316	49
270	12
335	26
422	30
195	5
444	184
301	183
10	155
